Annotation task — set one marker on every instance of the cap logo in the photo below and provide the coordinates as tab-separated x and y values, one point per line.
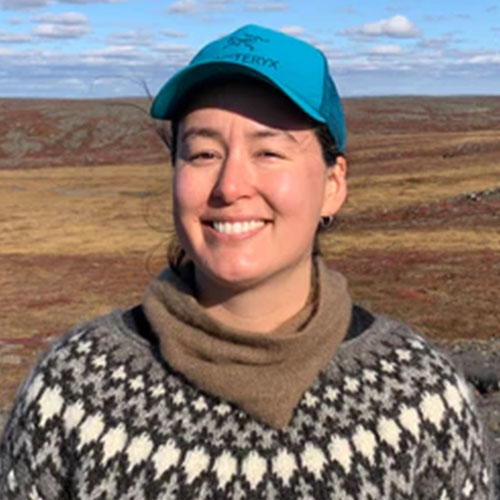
247	41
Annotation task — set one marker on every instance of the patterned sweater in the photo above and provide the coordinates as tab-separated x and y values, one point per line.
103	416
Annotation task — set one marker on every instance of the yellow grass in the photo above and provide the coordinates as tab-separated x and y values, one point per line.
389	191
126	210
84	210
365	143
449	240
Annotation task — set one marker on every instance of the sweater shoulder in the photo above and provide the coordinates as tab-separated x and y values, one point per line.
78	356
95	337
109	327
400	335
386	334
393	348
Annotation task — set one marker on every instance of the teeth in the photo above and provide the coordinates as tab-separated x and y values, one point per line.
237	227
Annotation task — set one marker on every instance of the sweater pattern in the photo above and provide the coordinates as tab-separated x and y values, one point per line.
103	416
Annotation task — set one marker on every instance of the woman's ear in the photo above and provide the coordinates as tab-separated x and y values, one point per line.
336	187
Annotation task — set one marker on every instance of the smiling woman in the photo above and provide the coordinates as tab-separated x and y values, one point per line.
247	372
250	186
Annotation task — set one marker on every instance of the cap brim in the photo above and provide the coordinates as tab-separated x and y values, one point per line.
172	97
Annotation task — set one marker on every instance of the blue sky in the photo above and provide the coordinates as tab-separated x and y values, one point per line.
108	48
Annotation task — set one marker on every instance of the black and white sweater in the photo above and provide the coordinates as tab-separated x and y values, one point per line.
104	417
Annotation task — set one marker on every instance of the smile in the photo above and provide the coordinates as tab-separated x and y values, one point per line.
237	227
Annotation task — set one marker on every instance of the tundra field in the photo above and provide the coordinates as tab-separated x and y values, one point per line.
86	216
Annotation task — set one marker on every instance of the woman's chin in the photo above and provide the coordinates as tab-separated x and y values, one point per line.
235	275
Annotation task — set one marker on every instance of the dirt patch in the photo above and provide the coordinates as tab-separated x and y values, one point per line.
447	296
472	209
44	132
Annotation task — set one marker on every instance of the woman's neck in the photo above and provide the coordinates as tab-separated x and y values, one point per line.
259	308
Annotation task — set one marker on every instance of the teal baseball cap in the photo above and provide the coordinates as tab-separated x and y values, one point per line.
293	66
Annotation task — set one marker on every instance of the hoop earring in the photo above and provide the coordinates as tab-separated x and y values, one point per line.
327	221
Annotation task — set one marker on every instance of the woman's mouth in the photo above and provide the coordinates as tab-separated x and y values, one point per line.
238	227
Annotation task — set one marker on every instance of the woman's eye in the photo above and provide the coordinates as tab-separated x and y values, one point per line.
270	154
203	156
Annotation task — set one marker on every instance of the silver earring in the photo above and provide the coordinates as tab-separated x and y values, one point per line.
327	221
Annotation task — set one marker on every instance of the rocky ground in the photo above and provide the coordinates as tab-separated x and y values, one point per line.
480	362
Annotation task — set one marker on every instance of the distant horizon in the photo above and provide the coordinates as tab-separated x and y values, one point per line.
112	48
366	96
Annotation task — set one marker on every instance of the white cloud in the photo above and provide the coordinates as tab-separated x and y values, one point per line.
174	34
36	72
74	83
138	37
67	18
197	7
485	59
395	27
7	52
386	50
392	63
203	10
24	4
9	37
293	30
183	7
437	43
175	55
113	51
36	4
61	26
331	54
86	2
122	70
482	68
15	21
173	47
218	5
60	31
259	6
123	55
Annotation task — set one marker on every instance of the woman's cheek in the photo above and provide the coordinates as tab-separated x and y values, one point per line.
286	191
190	191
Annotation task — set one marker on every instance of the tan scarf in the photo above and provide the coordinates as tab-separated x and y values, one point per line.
264	374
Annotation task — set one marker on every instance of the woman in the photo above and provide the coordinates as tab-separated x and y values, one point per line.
246	372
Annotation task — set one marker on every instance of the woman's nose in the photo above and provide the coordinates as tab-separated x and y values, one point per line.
234	180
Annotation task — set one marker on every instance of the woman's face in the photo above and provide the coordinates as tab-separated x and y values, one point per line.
250	185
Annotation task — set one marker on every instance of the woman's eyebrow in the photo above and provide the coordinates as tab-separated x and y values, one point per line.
262	134
214	134
201	132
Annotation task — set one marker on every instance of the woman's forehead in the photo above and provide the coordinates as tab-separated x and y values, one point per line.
254	100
